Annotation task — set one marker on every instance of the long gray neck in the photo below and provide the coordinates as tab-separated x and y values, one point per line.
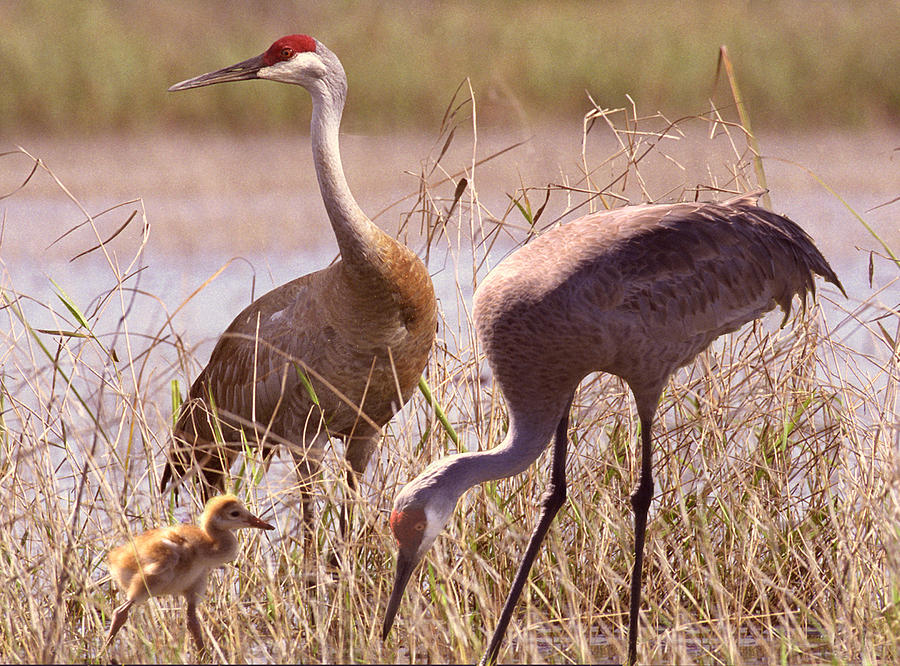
356	235
457	473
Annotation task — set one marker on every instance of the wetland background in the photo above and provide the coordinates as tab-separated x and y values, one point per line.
794	559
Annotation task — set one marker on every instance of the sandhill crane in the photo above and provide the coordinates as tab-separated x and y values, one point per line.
637	292
178	559
355	335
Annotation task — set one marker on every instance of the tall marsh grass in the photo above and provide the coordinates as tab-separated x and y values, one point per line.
773	536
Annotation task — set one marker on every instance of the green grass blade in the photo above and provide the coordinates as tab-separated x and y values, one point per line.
175	394
70	306
438	411
307	385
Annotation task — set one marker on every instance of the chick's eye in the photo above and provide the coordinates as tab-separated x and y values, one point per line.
235	513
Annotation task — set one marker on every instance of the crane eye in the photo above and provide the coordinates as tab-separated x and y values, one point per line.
287	52
420	527
235	513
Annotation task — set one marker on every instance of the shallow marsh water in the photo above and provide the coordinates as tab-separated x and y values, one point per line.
209	198
250	206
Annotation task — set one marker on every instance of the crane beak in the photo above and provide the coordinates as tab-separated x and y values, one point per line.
248	69
406	563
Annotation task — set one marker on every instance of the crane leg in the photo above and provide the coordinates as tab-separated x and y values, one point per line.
307	455
307	471
358	452
640	503
194	624
552	501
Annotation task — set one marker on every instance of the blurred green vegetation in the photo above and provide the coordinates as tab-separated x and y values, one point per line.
105	65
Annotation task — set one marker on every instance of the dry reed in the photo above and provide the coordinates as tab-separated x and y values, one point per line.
773	535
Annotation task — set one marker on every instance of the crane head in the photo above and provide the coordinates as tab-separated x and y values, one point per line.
291	59
420	512
226	512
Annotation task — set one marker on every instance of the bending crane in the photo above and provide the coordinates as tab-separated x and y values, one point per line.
637	292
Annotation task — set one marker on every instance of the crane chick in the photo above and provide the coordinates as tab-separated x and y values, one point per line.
178	559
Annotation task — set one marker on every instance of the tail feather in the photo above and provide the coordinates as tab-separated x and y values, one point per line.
179	460
807	257
194	451
166	477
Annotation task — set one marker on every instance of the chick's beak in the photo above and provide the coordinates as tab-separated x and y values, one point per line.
406	563
259	523
248	69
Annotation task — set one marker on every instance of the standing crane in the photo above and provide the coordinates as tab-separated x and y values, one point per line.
637	292
334	353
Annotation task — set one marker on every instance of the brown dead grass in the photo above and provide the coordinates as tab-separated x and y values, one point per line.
773	536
